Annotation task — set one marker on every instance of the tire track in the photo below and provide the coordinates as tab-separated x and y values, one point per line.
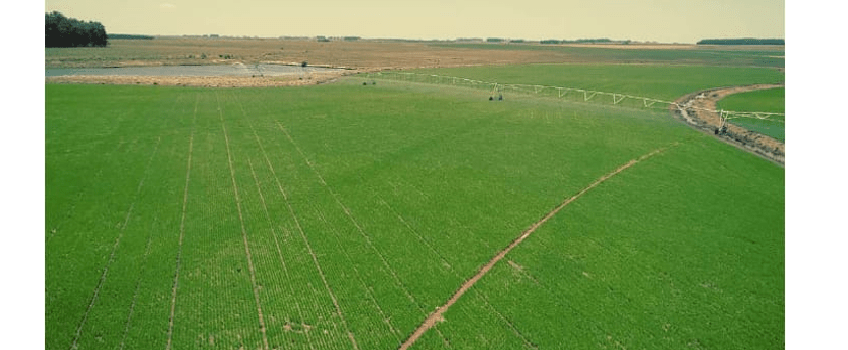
361	231
182	228
317	265
69	213
137	286
297	223
309	249
451	269
438	315
368	290
277	243
506	321
421	239
114	248
243	232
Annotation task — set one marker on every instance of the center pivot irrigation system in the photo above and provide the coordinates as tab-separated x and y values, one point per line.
561	92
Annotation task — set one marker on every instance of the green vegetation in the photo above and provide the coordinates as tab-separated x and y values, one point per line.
604	273
348	212
742	42
61	31
771	100
665	83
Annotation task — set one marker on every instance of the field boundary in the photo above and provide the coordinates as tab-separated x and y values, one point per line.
694	110
438	315
614	98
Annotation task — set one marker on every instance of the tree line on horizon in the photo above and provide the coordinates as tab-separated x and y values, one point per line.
578	41
749	41
130	37
61	31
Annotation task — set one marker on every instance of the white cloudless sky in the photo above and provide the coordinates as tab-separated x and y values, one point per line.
664	21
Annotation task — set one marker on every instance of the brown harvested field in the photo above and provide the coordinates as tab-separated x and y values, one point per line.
361	55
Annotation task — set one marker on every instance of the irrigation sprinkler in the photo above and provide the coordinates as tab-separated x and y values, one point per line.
723	121
497	89
615	102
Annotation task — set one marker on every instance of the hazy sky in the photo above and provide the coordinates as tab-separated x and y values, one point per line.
683	21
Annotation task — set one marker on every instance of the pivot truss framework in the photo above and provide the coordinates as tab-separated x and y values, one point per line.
560	92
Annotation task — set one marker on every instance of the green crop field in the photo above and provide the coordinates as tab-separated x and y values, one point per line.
339	216
771	100
658	82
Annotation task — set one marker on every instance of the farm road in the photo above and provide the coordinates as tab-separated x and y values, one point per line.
437	316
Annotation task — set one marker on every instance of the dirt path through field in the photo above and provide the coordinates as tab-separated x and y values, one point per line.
438	315
699	112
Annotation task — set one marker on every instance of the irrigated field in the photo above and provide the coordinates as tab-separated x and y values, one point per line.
340	216
772	100
659	82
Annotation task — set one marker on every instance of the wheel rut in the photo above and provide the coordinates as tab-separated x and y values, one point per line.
438	315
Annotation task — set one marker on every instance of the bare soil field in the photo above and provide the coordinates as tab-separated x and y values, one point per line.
360	55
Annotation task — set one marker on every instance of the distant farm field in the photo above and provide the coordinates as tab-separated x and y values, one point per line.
388	54
659	82
339	216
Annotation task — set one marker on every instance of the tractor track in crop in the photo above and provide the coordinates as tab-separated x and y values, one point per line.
438	315
182	228
250	266
123	227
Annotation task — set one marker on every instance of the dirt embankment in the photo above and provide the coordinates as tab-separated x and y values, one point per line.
699	111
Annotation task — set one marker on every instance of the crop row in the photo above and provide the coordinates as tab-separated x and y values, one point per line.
319	217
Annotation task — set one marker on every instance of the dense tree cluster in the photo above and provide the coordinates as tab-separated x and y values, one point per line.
61	31
742	42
